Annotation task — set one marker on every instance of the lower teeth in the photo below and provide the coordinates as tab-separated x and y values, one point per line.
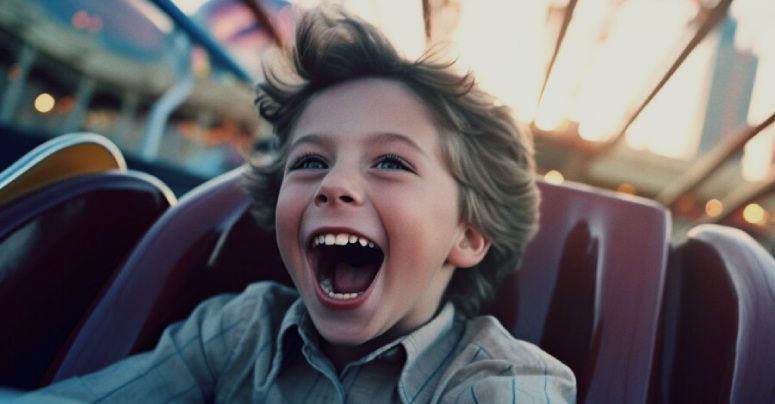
327	287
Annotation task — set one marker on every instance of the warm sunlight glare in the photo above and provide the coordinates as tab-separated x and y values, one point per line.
401	20
511	69
572	65
755	33
671	124
629	59
757	156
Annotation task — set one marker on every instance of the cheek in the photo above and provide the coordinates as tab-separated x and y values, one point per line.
424	222
283	211
287	218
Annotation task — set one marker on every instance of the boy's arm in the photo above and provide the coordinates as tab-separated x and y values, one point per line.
184	365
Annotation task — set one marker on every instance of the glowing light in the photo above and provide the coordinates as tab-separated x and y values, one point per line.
756	19
66	104
572	66
622	65
671	124
554	177
757	156
189	6
14	71
685	204
83	20
80	19
44	103
762	96
754	214
714	208
511	69
400	20
626	188
548	119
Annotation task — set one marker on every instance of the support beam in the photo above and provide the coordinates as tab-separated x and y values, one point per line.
263	20
712	161
203	39
173	98
83	96
566	19
713	18
426	18
13	92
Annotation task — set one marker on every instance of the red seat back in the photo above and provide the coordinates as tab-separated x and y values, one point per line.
58	246
589	289
206	244
719	320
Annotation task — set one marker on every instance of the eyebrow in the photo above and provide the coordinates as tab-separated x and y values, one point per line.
390	137
313	138
386	137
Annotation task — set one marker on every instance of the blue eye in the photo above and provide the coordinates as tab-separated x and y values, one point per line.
309	162
392	162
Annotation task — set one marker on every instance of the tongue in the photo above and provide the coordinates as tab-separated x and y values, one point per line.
351	279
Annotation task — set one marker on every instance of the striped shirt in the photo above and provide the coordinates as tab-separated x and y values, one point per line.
260	346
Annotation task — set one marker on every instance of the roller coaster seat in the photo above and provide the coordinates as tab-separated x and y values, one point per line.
588	291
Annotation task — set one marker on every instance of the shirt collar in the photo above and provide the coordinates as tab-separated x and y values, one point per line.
425	350
428	350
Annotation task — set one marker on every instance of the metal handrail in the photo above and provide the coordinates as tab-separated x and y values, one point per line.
203	39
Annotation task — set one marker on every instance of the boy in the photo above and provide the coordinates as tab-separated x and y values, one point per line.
400	195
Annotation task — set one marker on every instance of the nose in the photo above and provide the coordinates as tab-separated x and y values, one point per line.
339	187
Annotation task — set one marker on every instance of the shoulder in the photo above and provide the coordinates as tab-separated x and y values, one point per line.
232	328
267	295
486	335
240	319
259	297
490	365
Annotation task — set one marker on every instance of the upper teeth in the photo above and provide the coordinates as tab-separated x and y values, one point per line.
340	239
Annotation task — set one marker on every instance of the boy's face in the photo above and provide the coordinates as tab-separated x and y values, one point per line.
365	167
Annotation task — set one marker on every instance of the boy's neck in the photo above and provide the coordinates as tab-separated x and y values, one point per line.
341	355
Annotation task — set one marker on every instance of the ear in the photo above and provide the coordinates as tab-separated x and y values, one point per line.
469	249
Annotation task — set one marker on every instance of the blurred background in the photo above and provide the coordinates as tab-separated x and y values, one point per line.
671	100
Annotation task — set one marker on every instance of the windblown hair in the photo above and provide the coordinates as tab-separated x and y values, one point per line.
484	150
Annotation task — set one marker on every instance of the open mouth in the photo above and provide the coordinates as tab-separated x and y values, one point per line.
345	264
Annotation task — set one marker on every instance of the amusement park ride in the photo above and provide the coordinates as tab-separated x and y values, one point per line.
124	124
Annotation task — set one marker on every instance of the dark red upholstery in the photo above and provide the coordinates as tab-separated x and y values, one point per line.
589	291
58	246
719	321
205	245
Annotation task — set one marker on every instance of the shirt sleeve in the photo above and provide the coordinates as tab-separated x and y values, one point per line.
496	381
183	367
